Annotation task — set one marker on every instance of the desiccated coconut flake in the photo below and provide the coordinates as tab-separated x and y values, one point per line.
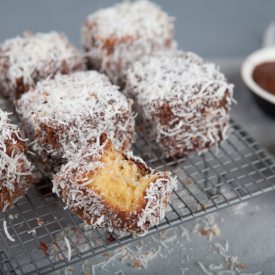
204	269
7	232
69	255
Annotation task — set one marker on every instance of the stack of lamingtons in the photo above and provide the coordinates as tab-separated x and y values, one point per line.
77	111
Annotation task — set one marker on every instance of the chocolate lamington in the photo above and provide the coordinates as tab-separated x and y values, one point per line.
112	190
27	59
15	168
63	114
117	36
185	100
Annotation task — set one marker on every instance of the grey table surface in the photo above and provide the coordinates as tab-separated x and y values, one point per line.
229	30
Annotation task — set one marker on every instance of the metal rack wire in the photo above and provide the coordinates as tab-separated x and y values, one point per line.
239	170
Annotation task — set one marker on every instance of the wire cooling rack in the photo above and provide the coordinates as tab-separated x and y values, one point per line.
240	169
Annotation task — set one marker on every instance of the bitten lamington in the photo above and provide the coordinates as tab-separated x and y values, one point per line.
185	99
113	190
117	36
15	168
63	114
24	60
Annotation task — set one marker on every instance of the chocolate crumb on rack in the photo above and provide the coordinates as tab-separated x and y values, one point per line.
15	168
63	114
24	60
117	36
185	99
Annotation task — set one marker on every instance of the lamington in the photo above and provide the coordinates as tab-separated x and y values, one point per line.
185	100
27	59
115	37
114	190
15	167
63	114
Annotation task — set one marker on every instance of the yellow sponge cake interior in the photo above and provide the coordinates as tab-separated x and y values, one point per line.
121	183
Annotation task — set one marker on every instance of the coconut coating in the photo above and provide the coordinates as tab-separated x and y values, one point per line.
63	114
117	36
15	168
72	184
24	60
185	99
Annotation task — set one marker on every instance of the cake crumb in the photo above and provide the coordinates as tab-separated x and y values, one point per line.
44	247
39	221
242	266
106	254
137	264
204	232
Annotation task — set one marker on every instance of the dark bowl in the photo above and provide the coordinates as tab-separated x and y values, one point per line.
266	106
